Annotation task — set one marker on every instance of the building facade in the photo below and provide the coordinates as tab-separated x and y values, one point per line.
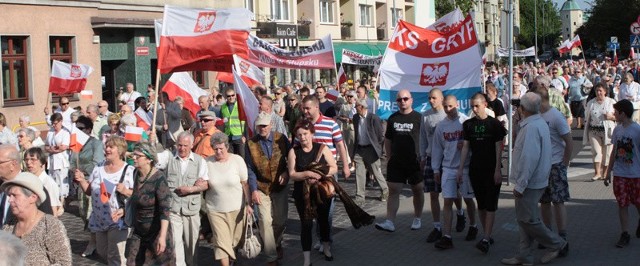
492	24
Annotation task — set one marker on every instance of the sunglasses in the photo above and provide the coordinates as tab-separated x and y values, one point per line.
403	99
102	106
292	100
64	103
232	95
277	93
206	120
81	128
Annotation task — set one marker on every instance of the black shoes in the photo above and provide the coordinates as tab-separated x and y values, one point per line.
444	243
472	233
624	240
461	222
483	246
434	235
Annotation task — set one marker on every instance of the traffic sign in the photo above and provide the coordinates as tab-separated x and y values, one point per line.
635	41
614	39
613	46
635	28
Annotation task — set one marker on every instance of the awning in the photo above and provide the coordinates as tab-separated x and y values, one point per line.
366	48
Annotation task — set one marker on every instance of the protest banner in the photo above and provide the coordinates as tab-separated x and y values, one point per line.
319	55
504	52
355	58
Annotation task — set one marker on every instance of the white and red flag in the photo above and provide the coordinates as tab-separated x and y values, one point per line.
250	73
68	78
181	84
86	94
248	106
342	76
143	118
202	39
133	133
568	45
78	139
332	95
632	54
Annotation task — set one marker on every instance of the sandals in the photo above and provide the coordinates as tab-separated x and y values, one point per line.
596	178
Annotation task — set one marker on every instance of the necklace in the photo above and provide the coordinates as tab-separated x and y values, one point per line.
142	181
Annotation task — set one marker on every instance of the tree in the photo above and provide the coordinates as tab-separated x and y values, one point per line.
443	7
609	18
548	24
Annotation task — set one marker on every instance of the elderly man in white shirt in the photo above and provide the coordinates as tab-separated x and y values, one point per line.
530	174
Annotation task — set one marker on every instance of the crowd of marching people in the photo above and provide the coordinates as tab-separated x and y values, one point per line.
148	196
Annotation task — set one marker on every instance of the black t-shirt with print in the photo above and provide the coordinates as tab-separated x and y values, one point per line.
403	130
482	135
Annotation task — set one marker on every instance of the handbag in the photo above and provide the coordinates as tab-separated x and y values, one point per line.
252	246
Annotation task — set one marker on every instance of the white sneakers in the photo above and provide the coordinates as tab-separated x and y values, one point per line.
386	226
417	224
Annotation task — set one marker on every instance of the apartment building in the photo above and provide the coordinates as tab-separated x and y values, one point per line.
492	24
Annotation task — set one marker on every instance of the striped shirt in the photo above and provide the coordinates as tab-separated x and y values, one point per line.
327	133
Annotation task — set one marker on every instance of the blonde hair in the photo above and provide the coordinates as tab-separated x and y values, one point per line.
118	142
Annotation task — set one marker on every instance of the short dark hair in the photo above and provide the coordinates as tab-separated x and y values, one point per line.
305	90
86	121
624	106
306	125
55	117
38	153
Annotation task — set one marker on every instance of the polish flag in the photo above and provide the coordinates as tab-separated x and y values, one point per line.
143	118
332	95
181	84
202	39
250	73
576	42
632	54
342	77
78	139
248	106
133	133
86	94
68	78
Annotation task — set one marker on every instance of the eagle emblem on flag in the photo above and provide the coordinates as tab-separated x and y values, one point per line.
205	21
244	67
76	71
434	74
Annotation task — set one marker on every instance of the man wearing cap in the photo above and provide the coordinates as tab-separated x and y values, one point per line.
269	183
10	163
187	177
624	166
266	105
233	126
202	136
368	150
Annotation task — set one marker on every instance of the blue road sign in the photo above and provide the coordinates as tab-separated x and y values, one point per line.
611	46
635	41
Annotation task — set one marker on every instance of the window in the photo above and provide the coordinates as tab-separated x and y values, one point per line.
395	16
61	49
199	78
280	9
326	11
574	23
248	4
15	71
365	15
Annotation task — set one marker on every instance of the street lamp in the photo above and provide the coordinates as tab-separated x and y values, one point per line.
535	28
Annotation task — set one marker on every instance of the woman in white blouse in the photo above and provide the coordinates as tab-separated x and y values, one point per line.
57	145
228	190
599	124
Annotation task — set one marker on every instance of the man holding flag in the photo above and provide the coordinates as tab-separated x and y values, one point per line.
233	126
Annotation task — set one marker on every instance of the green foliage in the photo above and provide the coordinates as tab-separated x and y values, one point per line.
445	6
609	18
548	24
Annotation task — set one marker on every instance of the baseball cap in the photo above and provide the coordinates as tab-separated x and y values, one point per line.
263	119
28	181
207	113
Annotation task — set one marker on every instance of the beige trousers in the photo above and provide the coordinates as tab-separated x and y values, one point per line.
272	214
599	150
185	231
227	230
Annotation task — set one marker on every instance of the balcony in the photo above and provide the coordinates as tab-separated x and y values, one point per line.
380	34
345	30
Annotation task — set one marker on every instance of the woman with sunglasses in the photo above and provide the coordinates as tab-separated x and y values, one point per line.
278	103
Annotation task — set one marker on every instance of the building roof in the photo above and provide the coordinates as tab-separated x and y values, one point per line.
570	5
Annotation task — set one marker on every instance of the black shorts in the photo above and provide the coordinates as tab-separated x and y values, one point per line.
577	109
485	189
404	173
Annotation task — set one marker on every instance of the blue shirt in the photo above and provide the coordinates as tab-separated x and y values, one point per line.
267	148
531	155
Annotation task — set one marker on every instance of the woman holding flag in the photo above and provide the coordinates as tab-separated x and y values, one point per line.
110	183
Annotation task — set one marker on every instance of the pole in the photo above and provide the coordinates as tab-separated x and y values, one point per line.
393	14
535	28
510	135
155	104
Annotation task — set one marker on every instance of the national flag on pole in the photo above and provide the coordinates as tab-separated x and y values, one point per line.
248	106
332	95
632	54
342	77
86	94
157	27
143	118
181	84
78	139
68	78
250	73
568	45
615	59
202	39
133	133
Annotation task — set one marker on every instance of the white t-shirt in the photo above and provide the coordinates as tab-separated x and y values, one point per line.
225	190
130	98
66	118
627	150
100	220
52	188
598	110
59	160
558	127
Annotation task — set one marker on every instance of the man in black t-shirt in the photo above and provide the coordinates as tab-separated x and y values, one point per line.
401	145
483	137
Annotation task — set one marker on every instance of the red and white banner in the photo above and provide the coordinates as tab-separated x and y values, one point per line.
86	94
157	27
248	106
133	133
568	45
332	95
143	118
181	84
342	77
319	55
68	78
251	74
202	39
78	139
355	58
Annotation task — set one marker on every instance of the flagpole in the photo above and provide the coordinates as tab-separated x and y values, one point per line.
155	105
583	58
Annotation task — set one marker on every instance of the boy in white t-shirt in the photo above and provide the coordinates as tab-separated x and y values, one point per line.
624	165
445	154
